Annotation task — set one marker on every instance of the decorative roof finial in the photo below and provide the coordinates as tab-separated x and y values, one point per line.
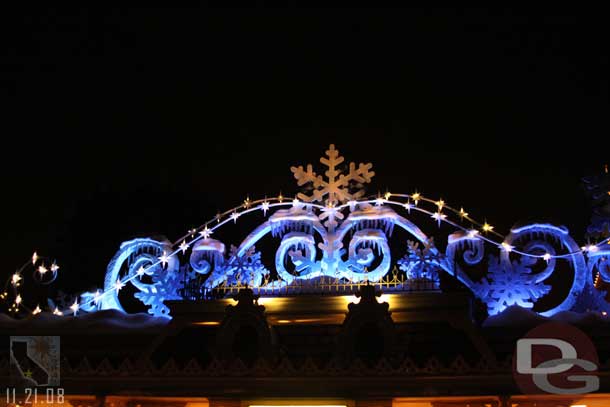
337	185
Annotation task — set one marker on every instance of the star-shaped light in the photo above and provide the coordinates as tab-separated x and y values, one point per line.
247	202
28	373
472	233
18	299
164	259
265	207
75	307
34	258
387	195
296	203
118	285
42	269
234	216
440	203
97	297
205	233
192	232
463	213
141	271
547	257
439	218
487	227
408	206
506	247
590	248
37	310
184	246
54	267
280	198
58	312
379	201
16	279
416	197
330	208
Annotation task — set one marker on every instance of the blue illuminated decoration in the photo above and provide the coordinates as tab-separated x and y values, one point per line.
140	258
510	284
422	265
336	234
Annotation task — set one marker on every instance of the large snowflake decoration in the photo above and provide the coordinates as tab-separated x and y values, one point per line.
337	185
421	265
246	269
509	284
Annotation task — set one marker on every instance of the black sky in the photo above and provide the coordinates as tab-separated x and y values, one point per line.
131	122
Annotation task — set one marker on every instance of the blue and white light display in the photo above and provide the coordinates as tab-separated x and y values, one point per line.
336	233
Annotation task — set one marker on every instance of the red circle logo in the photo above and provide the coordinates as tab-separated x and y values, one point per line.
556	358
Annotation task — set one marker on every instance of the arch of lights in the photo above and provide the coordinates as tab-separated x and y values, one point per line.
338	233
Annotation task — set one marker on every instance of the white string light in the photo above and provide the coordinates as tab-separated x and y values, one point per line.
234	216
164	259
506	247
184	246
75	307
118	285
265	207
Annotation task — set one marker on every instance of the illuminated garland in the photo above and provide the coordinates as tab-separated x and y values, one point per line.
336	190
204	231
42	275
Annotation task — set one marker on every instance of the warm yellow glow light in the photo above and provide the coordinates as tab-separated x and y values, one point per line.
383	298
300	405
267	300
207	323
349	299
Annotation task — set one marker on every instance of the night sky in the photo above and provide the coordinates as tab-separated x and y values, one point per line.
121	123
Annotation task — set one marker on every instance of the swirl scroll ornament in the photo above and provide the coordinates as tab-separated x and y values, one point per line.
541	237
300	248
512	280
136	256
